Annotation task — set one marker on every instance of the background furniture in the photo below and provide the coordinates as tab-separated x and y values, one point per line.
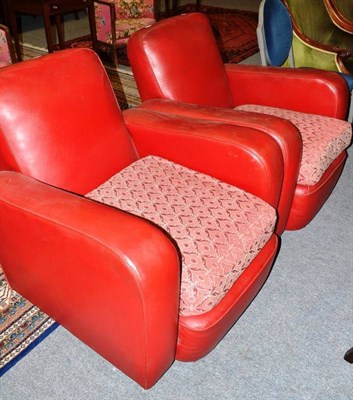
3	12
181	76
118	275
115	21
341	13
45	9
175	6
314	29
7	55
275	37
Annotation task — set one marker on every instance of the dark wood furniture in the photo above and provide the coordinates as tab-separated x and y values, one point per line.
46	9
3	12
175	6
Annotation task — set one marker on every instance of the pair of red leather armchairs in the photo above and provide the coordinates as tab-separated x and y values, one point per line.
148	236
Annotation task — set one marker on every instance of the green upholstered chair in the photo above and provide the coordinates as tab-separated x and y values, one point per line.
318	42
275	38
341	13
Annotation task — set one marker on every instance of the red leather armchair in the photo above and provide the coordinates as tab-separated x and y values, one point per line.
178	70
109	273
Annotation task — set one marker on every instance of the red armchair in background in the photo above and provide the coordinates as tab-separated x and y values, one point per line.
146	240
178	70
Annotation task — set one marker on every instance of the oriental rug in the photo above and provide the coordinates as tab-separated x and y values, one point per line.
22	326
235	30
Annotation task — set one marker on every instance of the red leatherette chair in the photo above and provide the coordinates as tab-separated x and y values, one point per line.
134	278
178	70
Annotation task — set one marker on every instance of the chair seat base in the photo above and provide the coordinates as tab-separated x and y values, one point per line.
308	200
199	334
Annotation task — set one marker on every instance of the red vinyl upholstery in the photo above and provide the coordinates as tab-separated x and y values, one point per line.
110	277
179	70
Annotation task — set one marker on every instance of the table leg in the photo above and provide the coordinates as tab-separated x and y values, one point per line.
174	7
60	30
92	24
47	27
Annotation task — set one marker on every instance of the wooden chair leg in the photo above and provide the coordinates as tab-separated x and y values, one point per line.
60	30
174	7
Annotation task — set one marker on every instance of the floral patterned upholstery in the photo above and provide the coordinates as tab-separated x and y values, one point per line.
5	54
324	139
218	228
130	16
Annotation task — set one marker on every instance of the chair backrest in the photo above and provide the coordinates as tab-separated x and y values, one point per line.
60	122
108	13
274	33
7	55
345	7
178	58
341	13
311	18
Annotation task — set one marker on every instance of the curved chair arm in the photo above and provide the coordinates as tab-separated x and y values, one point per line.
240	156
338	18
110	278
302	87
283	132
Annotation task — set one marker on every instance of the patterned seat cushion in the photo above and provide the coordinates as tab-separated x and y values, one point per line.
218	228
324	139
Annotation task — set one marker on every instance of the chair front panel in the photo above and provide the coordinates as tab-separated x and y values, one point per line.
5	53
103	19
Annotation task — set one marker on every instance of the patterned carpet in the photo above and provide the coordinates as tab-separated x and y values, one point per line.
22	326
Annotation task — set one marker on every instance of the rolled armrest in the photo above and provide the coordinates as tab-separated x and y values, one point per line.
109	277
299	89
243	157
283	132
